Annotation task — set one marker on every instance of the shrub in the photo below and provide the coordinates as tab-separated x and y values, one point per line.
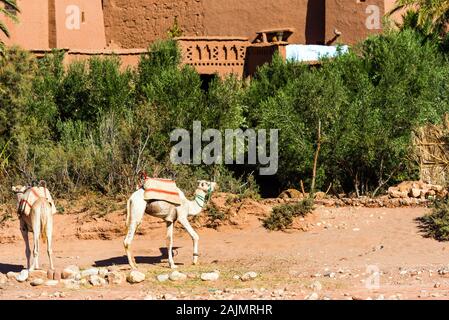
436	224
282	216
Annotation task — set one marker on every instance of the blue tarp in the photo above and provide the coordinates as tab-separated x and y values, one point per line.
301	52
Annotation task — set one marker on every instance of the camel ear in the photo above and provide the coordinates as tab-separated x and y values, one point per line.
13	189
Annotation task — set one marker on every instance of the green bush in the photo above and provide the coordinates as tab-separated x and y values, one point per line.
282	216
436	224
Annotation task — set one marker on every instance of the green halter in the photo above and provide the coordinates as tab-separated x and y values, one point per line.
204	199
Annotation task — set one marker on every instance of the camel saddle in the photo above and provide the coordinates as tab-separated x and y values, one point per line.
161	189
31	195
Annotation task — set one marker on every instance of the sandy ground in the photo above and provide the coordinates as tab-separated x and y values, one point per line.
340	252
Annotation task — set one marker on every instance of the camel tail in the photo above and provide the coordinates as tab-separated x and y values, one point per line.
128	212
44	213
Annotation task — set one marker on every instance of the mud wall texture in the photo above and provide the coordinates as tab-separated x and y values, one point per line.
137	23
349	21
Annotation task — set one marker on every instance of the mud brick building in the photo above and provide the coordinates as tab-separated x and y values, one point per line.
217	32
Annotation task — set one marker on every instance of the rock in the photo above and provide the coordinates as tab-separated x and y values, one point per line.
70	272
11	275
102	272
135	277
415	193
316	286
177	276
37	274
291	194
210	276
312	296
22	276
249	276
71	284
3	279
96	281
162	277
236	277
37	282
115	277
437	285
51	283
89	272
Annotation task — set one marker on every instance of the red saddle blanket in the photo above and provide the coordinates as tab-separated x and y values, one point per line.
161	189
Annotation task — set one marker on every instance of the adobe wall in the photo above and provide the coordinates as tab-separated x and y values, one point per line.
354	19
82	27
32	30
137	23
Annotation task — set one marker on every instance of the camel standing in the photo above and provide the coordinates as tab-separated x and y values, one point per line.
170	213
39	221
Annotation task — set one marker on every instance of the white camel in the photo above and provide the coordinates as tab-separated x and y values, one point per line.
39	221
137	207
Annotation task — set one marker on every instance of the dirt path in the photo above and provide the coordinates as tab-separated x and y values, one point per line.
341	250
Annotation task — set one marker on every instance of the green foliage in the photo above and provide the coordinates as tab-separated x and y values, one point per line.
95	125
282	216
368	102
436	224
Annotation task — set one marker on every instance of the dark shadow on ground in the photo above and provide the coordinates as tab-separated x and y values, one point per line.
123	260
5	268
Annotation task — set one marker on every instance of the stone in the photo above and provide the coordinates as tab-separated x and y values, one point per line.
96	281
11	275
37	282
70	272
89	272
316	286
3	279
236	277
71	284
177	276
102	272
249	276
37	274
162	277
51	283
415	193
210	276
22	276
135	277
115	277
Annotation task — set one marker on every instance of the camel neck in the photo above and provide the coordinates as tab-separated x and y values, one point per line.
200	198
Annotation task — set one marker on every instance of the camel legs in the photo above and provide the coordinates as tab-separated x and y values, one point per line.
36	234
49	237
171	262
24	231
127	243
185	223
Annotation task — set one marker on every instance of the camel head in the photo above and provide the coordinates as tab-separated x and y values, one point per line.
19	189
207	186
